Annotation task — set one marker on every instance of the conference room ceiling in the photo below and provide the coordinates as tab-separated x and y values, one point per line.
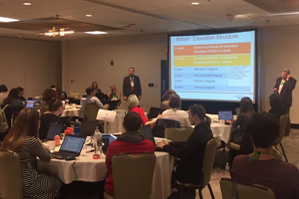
138	17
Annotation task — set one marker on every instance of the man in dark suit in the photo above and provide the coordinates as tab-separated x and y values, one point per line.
284	87
131	85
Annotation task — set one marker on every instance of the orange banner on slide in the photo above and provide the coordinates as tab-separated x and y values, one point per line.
212	49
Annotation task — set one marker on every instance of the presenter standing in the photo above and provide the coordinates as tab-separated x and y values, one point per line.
284	86
131	85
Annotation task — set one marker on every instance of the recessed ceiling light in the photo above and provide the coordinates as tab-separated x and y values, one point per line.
88	15
6	20
27	4
96	33
195	3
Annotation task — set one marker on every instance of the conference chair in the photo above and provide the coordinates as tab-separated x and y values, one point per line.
230	189
207	167
154	112
161	124
178	134
282	123
10	177
132	175
91	112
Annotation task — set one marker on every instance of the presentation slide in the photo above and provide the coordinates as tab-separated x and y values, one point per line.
214	67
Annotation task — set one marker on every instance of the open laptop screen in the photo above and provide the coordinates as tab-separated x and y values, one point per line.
30	103
72	144
225	115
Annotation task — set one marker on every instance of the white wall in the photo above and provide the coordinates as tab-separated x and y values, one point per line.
88	60
33	65
278	49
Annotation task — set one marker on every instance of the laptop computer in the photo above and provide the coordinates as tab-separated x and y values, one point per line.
87	128
54	129
107	139
225	115
71	146
30	103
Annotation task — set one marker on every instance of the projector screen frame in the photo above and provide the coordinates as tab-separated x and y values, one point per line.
219	102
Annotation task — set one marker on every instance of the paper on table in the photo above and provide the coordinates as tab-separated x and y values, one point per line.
106	115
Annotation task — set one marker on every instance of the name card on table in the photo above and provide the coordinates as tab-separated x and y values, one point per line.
106	115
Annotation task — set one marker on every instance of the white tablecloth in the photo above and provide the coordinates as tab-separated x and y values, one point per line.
87	169
221	130
117	125
71	111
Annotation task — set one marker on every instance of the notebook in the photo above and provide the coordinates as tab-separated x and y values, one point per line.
30	103
225	115
87	128
106	115
71	146
54	129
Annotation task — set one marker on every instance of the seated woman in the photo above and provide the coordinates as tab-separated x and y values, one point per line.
239	134
23	139
174	114
49	95
15	104
49	117
134	107
165	99
131	141
191	152
260	167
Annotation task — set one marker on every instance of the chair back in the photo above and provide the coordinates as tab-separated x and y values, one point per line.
10	177
133	175
282	127
178	134
208	161
75	95
154	112
230	189
161	124
91	112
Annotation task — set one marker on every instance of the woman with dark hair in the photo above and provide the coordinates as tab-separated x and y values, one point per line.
23	139
49	95
173	113
49	117
131	141
276	107
239	134
165	99
191	153
15	104
260	166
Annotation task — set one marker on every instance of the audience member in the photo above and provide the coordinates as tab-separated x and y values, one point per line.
131	141
23	139
15	104
239	134
49	117
49	95
260	167
21	93
191	153
174	114
134	107
165	99
114	94
99	94
276	107
3	93
91	98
